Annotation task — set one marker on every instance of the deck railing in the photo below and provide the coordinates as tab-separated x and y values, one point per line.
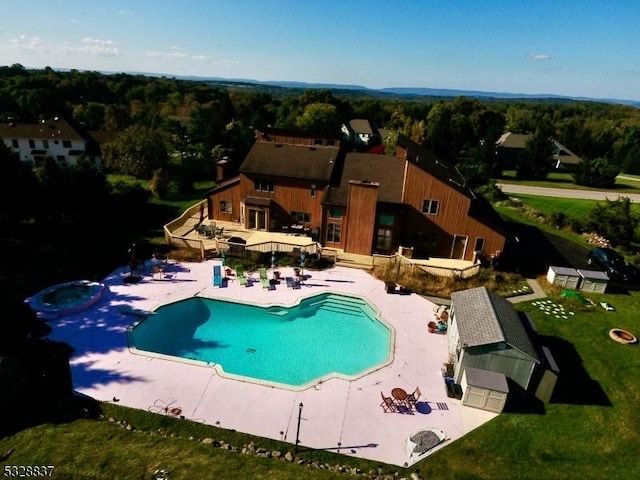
436	270
178	241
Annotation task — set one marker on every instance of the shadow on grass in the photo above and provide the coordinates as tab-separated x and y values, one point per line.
574	386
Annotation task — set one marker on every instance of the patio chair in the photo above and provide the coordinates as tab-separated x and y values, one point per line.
217	276
292	283
388	405
242	280
264	281
412	398
219	232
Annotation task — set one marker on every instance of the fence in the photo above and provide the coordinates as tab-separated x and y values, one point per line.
178	241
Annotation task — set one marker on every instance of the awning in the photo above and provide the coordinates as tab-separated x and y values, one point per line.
257	201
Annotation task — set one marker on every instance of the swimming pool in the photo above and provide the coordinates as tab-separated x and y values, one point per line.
327	335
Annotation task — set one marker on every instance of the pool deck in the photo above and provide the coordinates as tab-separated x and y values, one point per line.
335	413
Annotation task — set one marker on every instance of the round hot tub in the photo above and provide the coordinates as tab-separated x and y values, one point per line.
65	298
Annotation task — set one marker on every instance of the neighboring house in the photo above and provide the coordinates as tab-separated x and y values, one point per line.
358	202
51	138
360	134
486	332
510	146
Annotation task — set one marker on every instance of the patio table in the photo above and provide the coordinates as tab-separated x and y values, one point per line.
400	395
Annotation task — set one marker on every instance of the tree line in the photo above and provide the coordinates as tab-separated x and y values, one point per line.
183	127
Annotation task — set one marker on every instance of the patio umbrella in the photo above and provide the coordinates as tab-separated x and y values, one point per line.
302	255
201	213
273	260
132	258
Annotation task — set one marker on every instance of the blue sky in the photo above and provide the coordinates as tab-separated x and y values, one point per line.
580	48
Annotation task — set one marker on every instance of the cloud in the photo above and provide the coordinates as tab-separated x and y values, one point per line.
96	47
175	53
538	56
23	42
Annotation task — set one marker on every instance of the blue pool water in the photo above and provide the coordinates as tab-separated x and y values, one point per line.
325	334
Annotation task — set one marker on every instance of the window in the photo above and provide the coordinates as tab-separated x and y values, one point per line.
45	144
32	143
15	143
226	206
383	239
335	213
264	185
479	245
430	207
313	190
334	231
66	143
386	220
300	217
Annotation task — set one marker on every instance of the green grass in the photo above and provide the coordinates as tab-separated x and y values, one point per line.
565	180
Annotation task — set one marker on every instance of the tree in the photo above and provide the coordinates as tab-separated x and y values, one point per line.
613	220
319	117
535	163
137	151
597	172
17	197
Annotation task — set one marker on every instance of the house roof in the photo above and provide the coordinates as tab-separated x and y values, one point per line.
385	170
513	140
485	318
518	140
51	129
292	161
361	125
434	165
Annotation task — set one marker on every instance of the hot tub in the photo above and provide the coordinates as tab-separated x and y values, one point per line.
65	298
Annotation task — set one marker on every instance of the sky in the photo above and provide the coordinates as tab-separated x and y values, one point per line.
581	48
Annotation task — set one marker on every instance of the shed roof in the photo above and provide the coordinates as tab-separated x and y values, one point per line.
476	377
485	318
564	271
593	274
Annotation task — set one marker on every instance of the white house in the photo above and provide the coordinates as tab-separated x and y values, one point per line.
50	138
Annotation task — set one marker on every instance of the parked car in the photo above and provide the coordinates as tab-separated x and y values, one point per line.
614	264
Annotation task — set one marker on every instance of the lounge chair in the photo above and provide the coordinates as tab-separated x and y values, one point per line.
217	276
264	281
292	283
242	280
388	405
412	398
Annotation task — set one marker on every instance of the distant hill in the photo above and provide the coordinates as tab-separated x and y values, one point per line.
390	91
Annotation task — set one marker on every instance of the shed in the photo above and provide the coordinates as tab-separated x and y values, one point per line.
484	389
593	281
564	277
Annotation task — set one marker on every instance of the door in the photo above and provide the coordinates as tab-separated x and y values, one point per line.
459	246
257	219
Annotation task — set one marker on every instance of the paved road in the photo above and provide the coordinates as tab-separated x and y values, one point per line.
566	192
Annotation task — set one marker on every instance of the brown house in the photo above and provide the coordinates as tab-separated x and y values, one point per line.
359	202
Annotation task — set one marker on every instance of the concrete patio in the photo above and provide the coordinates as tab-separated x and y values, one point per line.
339	415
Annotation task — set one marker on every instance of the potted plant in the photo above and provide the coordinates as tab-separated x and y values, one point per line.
432	327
